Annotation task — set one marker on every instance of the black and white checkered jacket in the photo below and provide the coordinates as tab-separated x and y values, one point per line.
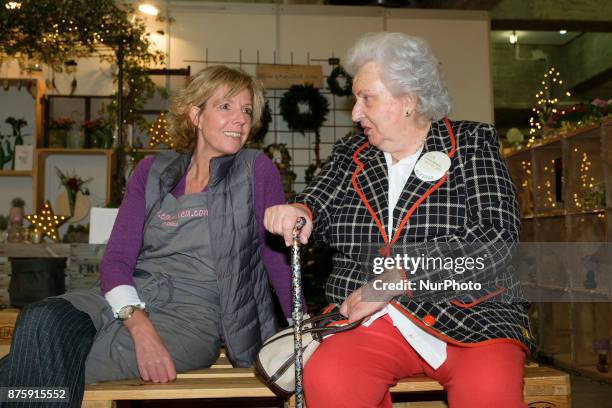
474	202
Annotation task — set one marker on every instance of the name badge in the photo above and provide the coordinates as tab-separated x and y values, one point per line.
432	166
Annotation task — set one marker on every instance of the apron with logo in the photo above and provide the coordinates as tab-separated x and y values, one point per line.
175	277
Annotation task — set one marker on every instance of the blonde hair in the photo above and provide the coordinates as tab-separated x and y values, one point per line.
197	92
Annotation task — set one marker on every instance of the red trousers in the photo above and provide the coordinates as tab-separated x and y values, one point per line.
356	368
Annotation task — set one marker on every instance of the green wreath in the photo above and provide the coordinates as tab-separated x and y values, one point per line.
318	108
334	86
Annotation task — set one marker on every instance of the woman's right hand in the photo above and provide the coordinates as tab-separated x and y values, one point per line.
281	220
154	361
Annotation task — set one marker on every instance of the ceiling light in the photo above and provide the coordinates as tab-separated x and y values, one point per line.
149	9
513	38
12	5
562	32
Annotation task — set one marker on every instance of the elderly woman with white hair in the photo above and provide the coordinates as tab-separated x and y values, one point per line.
413	178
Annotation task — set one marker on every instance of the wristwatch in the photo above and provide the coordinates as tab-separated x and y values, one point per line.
126	312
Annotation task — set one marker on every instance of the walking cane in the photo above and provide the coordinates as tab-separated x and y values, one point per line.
296	277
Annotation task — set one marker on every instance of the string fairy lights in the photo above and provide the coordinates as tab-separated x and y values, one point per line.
159	133
590	194
546	112
525	187
46	222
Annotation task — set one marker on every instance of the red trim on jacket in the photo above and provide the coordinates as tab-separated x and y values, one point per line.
431	189
305	207
451	153
455	342
500	289
364	200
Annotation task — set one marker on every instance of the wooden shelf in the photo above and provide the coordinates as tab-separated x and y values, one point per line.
592	372
586	212
147	150
579	132
552	214
564	361
75	152
591	292
548	287
42	250
566	289
516	152
547	142
563	213
558	137
15	173
43	154
566	329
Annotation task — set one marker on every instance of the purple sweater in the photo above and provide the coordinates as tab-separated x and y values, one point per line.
124	244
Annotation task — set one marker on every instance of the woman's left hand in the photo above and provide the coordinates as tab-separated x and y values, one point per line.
368	300
153	359
355	308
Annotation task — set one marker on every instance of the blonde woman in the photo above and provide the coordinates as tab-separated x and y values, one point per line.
187	265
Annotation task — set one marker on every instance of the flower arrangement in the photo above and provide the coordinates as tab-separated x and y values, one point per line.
73	184
581	114
98	133
91	126
63	123
16	124
605	107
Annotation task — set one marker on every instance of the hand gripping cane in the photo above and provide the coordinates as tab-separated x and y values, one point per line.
296	277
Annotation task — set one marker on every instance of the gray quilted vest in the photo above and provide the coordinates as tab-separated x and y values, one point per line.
247	309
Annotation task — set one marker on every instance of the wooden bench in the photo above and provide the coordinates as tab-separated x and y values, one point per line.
544	387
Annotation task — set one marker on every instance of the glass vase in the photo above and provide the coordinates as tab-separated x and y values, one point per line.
75	140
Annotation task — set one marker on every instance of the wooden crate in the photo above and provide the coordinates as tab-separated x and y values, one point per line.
7	324
5	298
82	271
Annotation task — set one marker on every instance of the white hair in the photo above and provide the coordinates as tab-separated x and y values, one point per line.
406	65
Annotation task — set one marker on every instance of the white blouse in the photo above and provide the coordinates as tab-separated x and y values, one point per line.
429	347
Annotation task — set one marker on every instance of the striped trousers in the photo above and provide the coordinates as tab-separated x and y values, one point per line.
50	345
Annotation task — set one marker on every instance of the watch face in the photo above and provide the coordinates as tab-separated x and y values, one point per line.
125	312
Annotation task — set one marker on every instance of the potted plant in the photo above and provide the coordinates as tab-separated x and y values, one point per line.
17	125
90	129
58	131
76	234
98	133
